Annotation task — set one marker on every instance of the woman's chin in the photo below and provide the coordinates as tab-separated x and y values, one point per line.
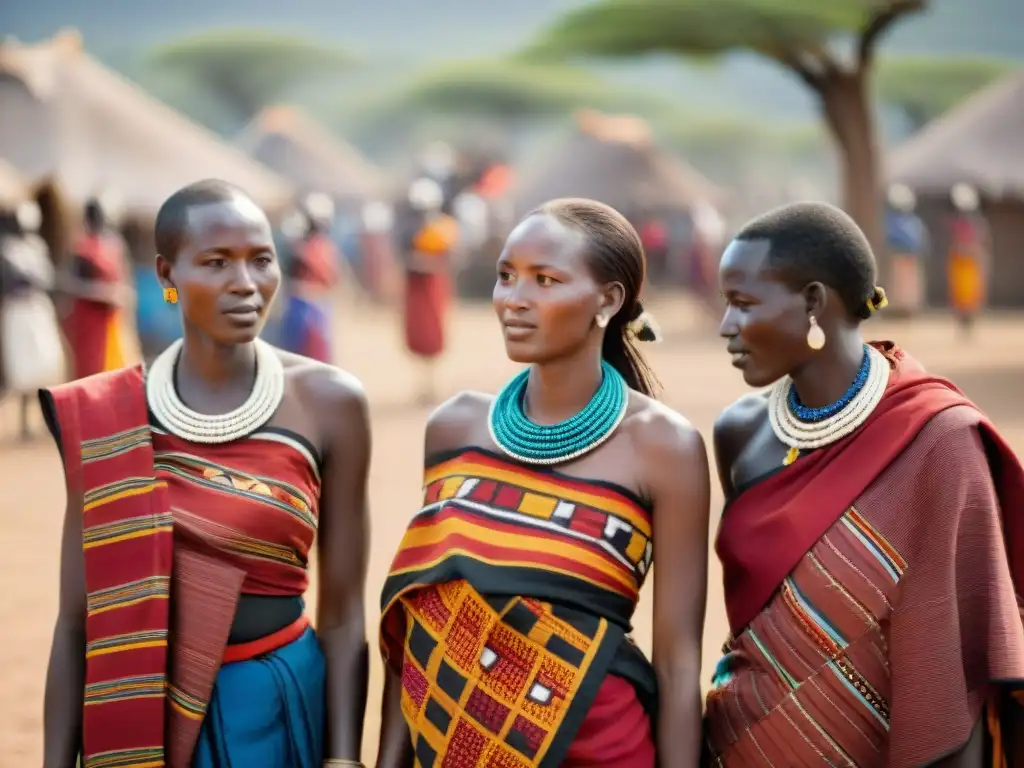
518	352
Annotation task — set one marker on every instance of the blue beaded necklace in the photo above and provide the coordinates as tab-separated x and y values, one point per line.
526	441
813	415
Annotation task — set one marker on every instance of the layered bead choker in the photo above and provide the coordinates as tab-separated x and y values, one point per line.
531	443
182	421
807	429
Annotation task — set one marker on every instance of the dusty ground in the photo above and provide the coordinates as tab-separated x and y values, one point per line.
692	365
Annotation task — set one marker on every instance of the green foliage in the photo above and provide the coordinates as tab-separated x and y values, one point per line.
248	69
775	28
924	87
511	90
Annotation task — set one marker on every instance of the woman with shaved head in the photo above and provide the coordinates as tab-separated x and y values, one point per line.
197	489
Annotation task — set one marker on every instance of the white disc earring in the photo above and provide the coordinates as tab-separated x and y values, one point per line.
602	321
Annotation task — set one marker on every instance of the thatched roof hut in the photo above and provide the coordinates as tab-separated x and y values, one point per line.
615	160
69	118
980	143
291	143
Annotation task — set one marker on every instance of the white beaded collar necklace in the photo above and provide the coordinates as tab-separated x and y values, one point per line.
807	436
182	421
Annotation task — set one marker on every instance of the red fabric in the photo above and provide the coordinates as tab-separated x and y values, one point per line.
616	731
316	261
268	644
119	487
426	310
766	530
87	325
654	235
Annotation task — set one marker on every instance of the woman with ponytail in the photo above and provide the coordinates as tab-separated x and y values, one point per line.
506	613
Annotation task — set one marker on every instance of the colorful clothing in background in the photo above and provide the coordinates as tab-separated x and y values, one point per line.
967	265
157	323
506	614
428	286
306	327
176	535
906	239
873	590
92	328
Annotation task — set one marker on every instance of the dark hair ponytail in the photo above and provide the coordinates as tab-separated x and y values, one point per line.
615	253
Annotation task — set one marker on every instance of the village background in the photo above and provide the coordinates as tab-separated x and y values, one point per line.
687	103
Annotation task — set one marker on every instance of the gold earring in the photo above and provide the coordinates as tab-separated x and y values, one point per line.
815	335
171	295
602	321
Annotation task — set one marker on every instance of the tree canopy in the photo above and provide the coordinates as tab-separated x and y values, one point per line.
248	69
513	90
829	44
924	87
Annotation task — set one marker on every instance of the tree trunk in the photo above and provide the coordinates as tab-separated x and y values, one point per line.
850	120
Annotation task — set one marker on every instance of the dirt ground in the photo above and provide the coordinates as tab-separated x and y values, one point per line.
692	365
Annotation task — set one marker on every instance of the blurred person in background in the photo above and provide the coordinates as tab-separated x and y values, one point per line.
431	239
967	265
313	271
507	609
31	348
96	284
907	242
378	264
195	496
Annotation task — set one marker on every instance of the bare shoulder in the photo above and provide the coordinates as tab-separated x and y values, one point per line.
662	433
456	422
326	389
738	422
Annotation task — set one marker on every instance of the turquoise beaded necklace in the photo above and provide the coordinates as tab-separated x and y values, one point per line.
523	440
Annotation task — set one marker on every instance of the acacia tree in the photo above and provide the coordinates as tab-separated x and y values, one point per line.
248	70
923	88
804	36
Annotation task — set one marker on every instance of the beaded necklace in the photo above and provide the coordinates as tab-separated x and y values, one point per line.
531	443
182	421
807	429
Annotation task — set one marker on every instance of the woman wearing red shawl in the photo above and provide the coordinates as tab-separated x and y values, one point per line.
873	539
98	288
196	490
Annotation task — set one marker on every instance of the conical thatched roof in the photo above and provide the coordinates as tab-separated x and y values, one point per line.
68	117
615	160
293	144
980	142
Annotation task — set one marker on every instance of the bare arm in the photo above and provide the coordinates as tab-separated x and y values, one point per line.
681	487
447	428
342	555
65	675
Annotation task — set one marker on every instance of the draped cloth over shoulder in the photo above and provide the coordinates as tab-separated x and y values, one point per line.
151	663
951	623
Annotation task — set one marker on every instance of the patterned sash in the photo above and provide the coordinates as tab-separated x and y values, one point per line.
128	550
506	606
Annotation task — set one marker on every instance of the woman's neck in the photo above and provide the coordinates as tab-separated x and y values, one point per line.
215	370
825	378
560	389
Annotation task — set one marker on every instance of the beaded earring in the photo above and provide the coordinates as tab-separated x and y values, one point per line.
171	295
815	335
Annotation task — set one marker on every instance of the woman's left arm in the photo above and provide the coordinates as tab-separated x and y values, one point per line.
680	484
343	536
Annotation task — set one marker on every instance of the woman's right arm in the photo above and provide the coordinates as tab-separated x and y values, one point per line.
448	427
65	675
394	749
